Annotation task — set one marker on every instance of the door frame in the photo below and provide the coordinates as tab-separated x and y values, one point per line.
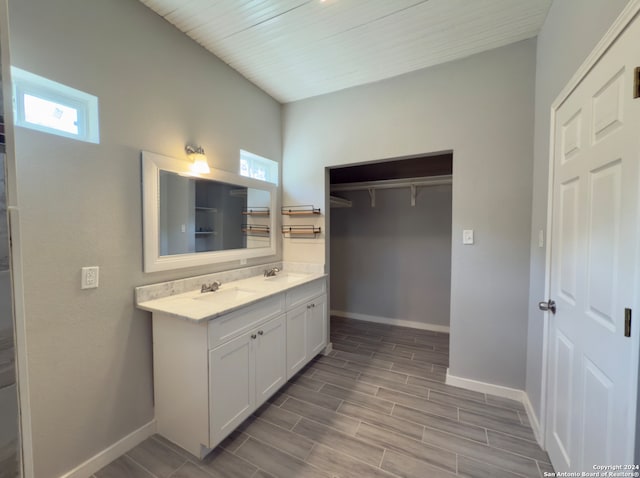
628	14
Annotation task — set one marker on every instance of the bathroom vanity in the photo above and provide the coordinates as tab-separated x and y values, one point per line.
217	356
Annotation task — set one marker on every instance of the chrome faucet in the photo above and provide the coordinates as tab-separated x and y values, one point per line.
271	272
214	286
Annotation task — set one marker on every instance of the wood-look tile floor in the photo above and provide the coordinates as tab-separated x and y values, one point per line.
376	407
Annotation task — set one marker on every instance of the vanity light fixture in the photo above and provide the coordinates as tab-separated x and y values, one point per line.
200	164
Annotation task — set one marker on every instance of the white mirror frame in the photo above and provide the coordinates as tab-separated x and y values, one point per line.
152	163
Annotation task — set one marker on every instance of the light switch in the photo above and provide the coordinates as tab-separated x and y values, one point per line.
540	238
90	277
467	236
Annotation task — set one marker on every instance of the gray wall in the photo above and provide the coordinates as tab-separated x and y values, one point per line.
480	107
570	32
393	260
90	364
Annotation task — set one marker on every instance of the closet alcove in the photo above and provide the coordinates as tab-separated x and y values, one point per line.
390	233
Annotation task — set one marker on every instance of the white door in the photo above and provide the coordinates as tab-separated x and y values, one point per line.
297	349
317	326
270	357
594	266
231	386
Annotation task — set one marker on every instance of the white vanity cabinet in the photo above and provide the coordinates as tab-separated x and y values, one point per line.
306	333
306	324
243	374
210	375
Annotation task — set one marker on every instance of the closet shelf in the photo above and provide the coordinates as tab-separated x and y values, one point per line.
306	210
255	229
413	184
256	211
302	231
336	201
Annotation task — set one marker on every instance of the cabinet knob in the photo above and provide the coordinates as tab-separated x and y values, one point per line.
313	305
253	336
260	332
309	306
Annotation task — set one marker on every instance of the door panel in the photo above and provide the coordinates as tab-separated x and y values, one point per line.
603	243
598	413
563	403
270	357
297	347
608	106
231	386
568	236
572	137
317	326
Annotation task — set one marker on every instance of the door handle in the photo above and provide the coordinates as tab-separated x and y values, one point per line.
550	306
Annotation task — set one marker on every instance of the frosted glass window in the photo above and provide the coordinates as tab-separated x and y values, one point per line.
51	107
48	113
257	167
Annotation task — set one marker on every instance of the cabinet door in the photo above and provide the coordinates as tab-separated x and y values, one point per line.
317	326
270	358
297	346
231	386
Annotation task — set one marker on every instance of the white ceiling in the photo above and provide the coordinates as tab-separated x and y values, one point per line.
295	49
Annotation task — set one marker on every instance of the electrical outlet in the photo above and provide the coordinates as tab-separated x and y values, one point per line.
90	276
467	236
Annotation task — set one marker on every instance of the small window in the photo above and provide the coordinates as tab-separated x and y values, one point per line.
257	167
44	105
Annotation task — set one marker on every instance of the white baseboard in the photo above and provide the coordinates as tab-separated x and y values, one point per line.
109	454
484	387
506	392
389	321
533	420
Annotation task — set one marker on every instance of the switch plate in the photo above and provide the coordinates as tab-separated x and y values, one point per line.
467	236
90	276
540	238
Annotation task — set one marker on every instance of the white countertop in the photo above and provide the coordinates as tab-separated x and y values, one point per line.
196	306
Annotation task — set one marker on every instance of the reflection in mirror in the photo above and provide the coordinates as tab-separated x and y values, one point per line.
194	220
201	215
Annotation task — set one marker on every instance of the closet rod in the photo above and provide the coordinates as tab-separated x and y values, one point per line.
412	183
393	183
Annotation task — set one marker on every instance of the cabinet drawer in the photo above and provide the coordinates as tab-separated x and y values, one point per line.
304	293
235	323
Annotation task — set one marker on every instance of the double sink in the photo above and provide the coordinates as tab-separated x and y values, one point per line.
251	288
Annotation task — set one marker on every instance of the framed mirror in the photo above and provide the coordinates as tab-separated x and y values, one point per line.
197	219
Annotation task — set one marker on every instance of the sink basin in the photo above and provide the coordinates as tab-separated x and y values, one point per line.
226	295
285	278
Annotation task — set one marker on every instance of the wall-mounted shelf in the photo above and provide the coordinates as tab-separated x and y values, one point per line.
255	230
302	231
256	211
300	211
